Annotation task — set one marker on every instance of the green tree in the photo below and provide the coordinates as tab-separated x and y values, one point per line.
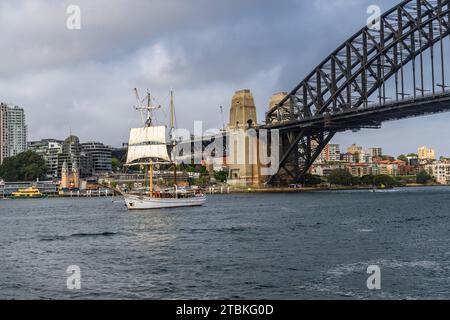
312	180
423	177
340	177
26	166
413	155
368	180
356	181
384	180
402	157
221	176
116	164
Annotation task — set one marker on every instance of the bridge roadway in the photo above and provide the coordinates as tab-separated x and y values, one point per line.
370	116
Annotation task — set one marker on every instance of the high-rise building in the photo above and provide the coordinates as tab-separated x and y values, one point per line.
426	154
3	133
331	153
375	152
13	131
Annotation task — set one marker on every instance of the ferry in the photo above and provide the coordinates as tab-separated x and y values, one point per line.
28	193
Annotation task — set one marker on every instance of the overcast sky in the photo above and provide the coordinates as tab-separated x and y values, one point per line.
82	80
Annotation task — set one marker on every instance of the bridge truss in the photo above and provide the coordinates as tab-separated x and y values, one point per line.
396	60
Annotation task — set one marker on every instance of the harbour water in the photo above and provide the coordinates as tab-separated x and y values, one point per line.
246	246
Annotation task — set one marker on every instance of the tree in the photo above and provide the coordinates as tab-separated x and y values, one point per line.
26	166
312	180
356	181
221	176
403	158
116	165
384	181
423	177
413	155
340	177
368	180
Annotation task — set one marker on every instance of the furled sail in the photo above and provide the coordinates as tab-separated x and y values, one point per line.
148	142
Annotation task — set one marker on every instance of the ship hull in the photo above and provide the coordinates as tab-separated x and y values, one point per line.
145	203
27	197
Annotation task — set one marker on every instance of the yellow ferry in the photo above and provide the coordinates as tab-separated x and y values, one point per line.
28	193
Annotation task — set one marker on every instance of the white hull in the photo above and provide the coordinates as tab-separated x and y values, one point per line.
145	202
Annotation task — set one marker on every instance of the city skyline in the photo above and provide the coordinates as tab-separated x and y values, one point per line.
365	146
84	78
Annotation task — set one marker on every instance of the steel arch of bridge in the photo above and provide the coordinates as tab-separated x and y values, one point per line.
357	70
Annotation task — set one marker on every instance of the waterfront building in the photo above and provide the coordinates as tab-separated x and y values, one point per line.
45	187
388	167
49	149
13	131
324	170
98	158
440	171
360	169
426	153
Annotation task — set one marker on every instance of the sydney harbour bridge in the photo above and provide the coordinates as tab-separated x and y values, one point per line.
393	68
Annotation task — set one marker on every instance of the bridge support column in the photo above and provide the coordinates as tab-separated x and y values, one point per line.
298	151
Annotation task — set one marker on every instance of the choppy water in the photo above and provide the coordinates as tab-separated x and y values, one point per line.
272	246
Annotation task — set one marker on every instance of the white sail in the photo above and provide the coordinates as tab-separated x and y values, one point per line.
155	151
152	135
147	142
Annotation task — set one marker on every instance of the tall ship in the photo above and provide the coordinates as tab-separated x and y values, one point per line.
148	147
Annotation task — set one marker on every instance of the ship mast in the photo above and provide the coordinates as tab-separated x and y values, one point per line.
149	108
147	123
172	138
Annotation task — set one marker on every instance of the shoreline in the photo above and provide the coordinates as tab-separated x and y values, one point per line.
316	189
254	190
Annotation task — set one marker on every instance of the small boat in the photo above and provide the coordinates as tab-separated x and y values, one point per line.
148	147
28	193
